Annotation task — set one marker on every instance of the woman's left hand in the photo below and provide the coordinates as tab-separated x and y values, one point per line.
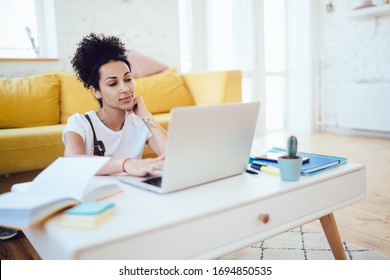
139	108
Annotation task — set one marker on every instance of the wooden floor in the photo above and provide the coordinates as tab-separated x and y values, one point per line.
366	223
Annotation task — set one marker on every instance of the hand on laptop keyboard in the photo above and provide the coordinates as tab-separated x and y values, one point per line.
143	167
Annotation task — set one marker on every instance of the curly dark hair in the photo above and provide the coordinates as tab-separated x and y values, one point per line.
94	51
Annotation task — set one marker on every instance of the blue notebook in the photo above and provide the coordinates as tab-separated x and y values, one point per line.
316	163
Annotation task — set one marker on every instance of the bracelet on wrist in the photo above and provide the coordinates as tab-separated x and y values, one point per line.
123	165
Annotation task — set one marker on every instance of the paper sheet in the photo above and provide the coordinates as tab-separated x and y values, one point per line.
68	176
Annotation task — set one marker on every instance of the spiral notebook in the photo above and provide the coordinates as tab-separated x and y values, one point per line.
315	164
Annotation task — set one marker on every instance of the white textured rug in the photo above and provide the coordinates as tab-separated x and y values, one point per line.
300	243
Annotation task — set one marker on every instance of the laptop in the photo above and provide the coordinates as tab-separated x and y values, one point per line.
205	144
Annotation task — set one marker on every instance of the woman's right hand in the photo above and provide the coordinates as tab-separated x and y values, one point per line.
143	167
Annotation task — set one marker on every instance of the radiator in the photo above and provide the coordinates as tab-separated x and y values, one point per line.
364	106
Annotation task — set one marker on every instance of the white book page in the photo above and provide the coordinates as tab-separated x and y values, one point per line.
67	176
100	187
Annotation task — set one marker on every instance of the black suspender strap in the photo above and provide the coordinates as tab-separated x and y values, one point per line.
98	146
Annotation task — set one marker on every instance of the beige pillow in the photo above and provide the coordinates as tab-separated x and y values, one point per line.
29	101
163	91
142	65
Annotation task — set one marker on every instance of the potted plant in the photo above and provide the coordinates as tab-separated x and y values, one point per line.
290	164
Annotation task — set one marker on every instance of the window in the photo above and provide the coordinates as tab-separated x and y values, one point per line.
275	63
248	35
30	31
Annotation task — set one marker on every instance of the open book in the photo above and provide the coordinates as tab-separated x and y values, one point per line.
66	182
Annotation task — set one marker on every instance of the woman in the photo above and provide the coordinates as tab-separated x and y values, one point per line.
123	125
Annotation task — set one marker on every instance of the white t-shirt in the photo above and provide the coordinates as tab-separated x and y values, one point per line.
128	142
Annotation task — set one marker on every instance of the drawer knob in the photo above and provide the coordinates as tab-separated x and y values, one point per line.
263	218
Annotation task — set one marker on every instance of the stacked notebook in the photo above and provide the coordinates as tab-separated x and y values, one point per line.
315	164
87	214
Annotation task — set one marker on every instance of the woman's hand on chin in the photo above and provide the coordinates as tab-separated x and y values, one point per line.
139	108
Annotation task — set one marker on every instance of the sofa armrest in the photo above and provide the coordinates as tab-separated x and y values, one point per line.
214	87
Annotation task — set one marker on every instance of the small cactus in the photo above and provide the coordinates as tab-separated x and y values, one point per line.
292	146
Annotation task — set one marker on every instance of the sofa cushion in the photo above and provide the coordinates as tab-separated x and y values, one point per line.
214	87
74	97
30	148
163	91
142	65
29	101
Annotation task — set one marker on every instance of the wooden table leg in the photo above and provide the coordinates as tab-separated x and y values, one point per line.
329	226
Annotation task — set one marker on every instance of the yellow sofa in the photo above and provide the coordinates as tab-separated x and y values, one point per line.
34	110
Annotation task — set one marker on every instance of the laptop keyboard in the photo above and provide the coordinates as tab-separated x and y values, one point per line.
156	181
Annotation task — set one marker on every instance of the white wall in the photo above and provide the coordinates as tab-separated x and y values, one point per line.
148	26
348	50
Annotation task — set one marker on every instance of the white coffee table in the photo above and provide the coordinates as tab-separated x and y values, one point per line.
207	221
